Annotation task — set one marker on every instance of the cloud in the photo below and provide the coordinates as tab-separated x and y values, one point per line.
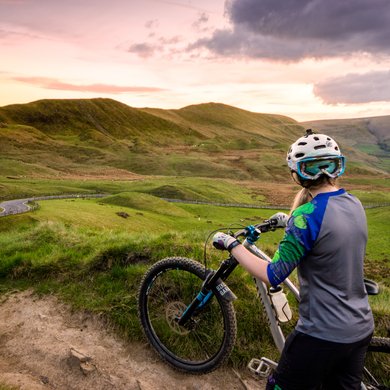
12	31
355	88
143	49
183	5
151	24
49	83
290	30
201	21
159	45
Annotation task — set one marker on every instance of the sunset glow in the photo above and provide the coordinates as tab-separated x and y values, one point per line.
317	60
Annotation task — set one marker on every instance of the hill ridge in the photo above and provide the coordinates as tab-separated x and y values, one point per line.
88	136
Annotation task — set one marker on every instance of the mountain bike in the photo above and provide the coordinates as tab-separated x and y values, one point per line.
187	314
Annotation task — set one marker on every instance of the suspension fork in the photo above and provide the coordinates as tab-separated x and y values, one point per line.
214	280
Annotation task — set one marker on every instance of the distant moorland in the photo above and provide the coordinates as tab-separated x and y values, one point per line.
105	138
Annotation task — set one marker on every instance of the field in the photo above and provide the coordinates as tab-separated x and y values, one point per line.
93	252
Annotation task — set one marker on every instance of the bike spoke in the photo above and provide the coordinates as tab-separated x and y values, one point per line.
197	345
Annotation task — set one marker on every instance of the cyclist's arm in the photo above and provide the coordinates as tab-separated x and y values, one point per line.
301	234
253	264
297	241
286	258
289	254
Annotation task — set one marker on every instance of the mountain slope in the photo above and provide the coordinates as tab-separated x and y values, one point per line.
213	118
85	135
366	139
79	117
104	137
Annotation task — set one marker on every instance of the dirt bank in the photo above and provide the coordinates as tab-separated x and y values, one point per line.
44	345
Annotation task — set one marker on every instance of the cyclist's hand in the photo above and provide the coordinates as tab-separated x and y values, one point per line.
223	241
281	219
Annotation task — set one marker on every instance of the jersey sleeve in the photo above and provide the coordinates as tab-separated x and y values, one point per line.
300	235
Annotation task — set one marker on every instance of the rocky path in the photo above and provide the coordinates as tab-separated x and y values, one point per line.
44	345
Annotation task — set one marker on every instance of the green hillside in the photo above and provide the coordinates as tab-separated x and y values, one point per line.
107	139
104	137
366	139
214	119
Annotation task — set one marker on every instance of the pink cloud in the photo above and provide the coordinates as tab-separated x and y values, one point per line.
49	83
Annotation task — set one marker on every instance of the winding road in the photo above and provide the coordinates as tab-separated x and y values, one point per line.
18	206
15	206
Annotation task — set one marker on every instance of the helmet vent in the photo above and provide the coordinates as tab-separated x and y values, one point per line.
316	138
336	148
319	147
328	139
302	143
299	155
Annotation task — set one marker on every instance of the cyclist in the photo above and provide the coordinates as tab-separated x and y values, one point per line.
325	239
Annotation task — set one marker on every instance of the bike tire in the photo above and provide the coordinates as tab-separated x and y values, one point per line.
379	344
374	375
167	288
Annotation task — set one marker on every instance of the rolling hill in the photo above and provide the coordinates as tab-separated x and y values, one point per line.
102	137
366	139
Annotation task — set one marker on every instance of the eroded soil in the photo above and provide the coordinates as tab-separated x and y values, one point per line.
45	345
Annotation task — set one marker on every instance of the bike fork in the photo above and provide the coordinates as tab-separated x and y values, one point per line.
213	280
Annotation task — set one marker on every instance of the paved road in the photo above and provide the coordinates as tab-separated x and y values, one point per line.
15	206
18	206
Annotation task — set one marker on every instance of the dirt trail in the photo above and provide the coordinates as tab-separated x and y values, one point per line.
44	345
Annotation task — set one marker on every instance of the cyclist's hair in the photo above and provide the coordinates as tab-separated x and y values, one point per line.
304	195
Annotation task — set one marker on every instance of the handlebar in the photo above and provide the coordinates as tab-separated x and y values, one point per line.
266	226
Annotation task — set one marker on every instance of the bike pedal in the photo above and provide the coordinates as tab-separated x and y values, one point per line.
262	367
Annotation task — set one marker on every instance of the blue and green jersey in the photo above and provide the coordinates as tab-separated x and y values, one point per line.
325	240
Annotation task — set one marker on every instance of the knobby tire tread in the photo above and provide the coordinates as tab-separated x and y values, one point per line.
227	309
379	344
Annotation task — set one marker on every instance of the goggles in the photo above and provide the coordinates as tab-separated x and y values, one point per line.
312	168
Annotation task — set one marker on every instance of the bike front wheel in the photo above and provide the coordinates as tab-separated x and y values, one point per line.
207	339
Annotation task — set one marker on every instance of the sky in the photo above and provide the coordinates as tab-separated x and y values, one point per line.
307	59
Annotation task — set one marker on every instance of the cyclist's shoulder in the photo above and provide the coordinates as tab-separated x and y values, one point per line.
308	217
303	210
300	217
318	204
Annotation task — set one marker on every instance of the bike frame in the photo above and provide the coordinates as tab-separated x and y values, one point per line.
262	289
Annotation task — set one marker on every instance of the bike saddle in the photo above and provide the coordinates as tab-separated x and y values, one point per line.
371	287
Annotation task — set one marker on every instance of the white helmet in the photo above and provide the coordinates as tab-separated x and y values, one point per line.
314	155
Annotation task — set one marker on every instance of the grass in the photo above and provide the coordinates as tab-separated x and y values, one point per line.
188	188
372	196
93	253
57	137
83	251
102	137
